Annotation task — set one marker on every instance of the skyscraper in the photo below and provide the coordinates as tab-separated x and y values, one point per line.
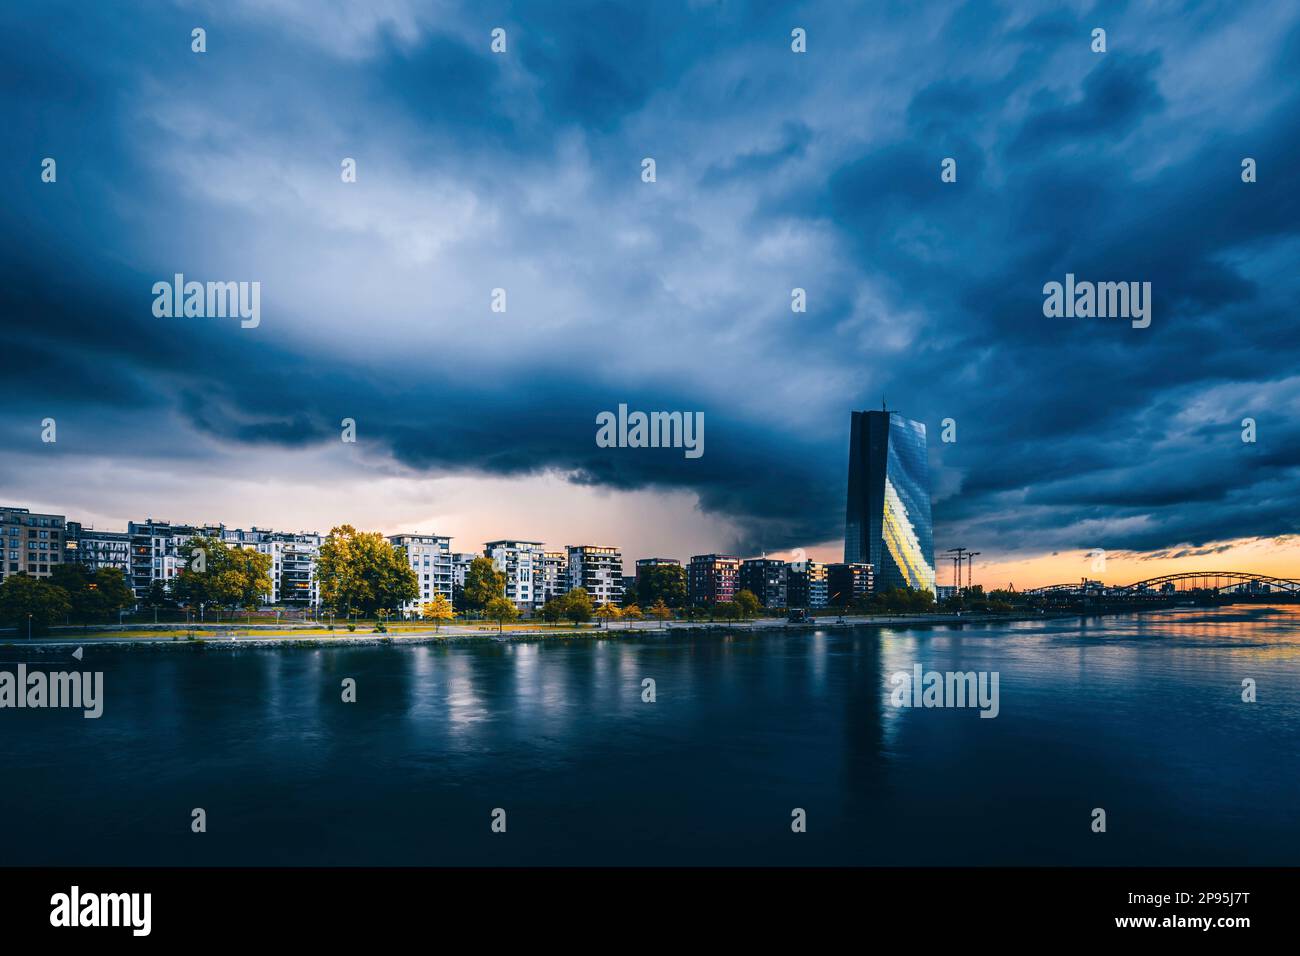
887	523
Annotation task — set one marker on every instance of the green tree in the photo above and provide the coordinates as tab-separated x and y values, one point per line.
553	610
663	582
83	601
727	610
114	594
501	609
30	603
92	597
361	572
216	574
577	605
483	582
437	610
748	603
201	557
158	596
244	579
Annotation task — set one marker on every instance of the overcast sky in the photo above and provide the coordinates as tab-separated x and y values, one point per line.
775	170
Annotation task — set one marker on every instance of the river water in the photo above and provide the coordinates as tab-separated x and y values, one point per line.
1140	715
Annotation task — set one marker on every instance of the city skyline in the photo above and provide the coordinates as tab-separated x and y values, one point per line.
1281	559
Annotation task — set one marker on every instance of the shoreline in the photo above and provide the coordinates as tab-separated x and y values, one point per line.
245	636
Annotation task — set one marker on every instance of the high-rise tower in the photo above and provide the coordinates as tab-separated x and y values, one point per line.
887	523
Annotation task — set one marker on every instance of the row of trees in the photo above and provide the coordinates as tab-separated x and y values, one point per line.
974	599
71	594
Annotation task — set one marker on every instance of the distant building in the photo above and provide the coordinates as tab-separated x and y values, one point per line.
599	569
460	563
429	556
293	562
644	564
155	551
887	521
555	575
522	563
154	556
806	584
33	543
766	578
848	583
712	578
944	592
96	550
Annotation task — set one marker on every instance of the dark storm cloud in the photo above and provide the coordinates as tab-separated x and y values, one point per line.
1100	165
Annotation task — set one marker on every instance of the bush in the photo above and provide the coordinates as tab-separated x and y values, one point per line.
351	626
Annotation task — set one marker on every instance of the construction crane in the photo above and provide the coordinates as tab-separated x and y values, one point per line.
956	568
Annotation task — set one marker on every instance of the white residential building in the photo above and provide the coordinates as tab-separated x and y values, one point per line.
429	556
156	551
522	563
555	575
293	562
598	569
460	563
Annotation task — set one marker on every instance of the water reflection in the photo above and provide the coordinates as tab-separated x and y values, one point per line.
1141	711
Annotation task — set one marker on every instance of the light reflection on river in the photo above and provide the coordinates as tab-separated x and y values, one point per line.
1141	715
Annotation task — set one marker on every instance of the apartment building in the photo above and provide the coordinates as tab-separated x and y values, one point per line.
293	562
599	569
712	578
806	584
430	557
33	543
97	549
765	578
460	562
522	563
555	574
849	583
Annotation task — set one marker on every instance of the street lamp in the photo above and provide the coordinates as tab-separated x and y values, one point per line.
29	625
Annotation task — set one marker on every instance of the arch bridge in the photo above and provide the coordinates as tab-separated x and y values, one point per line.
1247	582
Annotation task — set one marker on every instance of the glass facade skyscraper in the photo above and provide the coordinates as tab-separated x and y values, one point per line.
887	522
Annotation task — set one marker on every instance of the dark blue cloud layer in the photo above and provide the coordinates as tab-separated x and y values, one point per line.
1069	430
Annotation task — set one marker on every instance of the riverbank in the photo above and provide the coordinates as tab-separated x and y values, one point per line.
237	636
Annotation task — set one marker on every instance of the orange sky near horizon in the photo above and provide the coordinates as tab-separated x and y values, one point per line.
1279	557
